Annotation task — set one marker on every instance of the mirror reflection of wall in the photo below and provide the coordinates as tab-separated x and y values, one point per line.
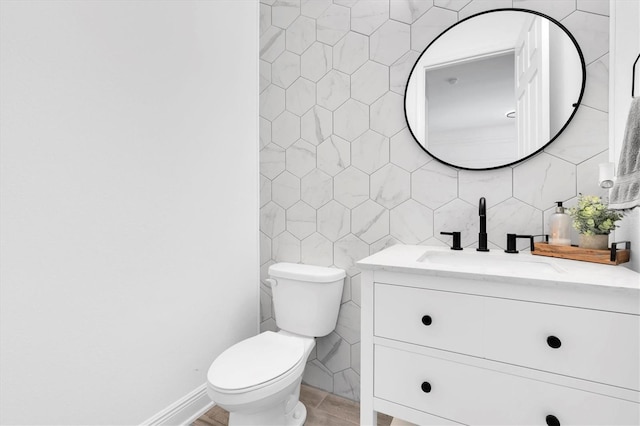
470	108
494	89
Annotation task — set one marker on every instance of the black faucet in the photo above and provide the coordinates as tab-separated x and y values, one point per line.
482	236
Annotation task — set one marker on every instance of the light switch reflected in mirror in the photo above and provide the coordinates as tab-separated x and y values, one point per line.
494	89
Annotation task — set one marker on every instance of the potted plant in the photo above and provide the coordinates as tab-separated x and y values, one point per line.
594	221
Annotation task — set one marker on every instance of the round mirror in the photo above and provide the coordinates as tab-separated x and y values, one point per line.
494	89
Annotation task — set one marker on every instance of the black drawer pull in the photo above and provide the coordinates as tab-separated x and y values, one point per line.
426	388
426	320
554	342
552	420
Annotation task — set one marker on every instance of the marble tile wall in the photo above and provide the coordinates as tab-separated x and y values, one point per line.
341	177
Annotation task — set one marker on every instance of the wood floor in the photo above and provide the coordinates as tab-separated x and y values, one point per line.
323	409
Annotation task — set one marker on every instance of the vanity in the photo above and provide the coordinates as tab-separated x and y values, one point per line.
489	338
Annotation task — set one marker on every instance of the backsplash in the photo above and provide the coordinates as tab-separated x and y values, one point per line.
341	176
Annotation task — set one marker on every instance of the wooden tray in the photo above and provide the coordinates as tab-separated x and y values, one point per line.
586	255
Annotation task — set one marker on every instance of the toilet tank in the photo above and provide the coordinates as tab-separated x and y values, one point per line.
306	298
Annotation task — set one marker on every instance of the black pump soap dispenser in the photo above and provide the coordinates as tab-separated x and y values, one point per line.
560	227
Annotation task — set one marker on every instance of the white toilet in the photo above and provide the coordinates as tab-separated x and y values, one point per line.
258	379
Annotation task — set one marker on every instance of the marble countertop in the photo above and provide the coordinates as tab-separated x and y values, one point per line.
500	266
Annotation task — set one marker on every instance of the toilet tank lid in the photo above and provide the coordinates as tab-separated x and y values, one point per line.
311	273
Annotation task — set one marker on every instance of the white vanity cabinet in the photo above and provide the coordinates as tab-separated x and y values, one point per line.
481	343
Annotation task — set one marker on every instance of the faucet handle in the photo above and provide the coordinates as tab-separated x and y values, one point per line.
511	242
456	239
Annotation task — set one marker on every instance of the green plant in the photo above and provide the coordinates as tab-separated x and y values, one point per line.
592	217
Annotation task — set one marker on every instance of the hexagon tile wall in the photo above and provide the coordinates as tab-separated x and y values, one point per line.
341	176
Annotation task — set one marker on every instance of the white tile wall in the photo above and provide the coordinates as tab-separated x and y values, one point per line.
341	174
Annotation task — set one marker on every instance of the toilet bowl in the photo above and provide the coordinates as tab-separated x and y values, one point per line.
258	379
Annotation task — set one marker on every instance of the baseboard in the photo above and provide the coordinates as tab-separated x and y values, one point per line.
184	411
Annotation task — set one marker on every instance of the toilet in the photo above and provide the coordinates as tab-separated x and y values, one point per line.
258	379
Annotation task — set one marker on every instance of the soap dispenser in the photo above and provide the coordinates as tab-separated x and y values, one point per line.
560	227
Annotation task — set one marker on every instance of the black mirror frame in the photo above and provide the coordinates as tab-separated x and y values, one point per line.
575	105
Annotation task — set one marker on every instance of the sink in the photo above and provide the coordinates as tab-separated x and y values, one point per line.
489	262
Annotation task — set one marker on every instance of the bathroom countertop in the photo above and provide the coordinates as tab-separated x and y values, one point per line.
522	268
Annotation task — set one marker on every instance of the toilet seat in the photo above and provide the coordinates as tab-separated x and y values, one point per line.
256	362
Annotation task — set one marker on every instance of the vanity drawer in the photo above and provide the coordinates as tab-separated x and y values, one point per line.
478	396
443	320
593	345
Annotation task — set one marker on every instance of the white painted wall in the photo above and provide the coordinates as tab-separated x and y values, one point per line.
129	210
625	47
